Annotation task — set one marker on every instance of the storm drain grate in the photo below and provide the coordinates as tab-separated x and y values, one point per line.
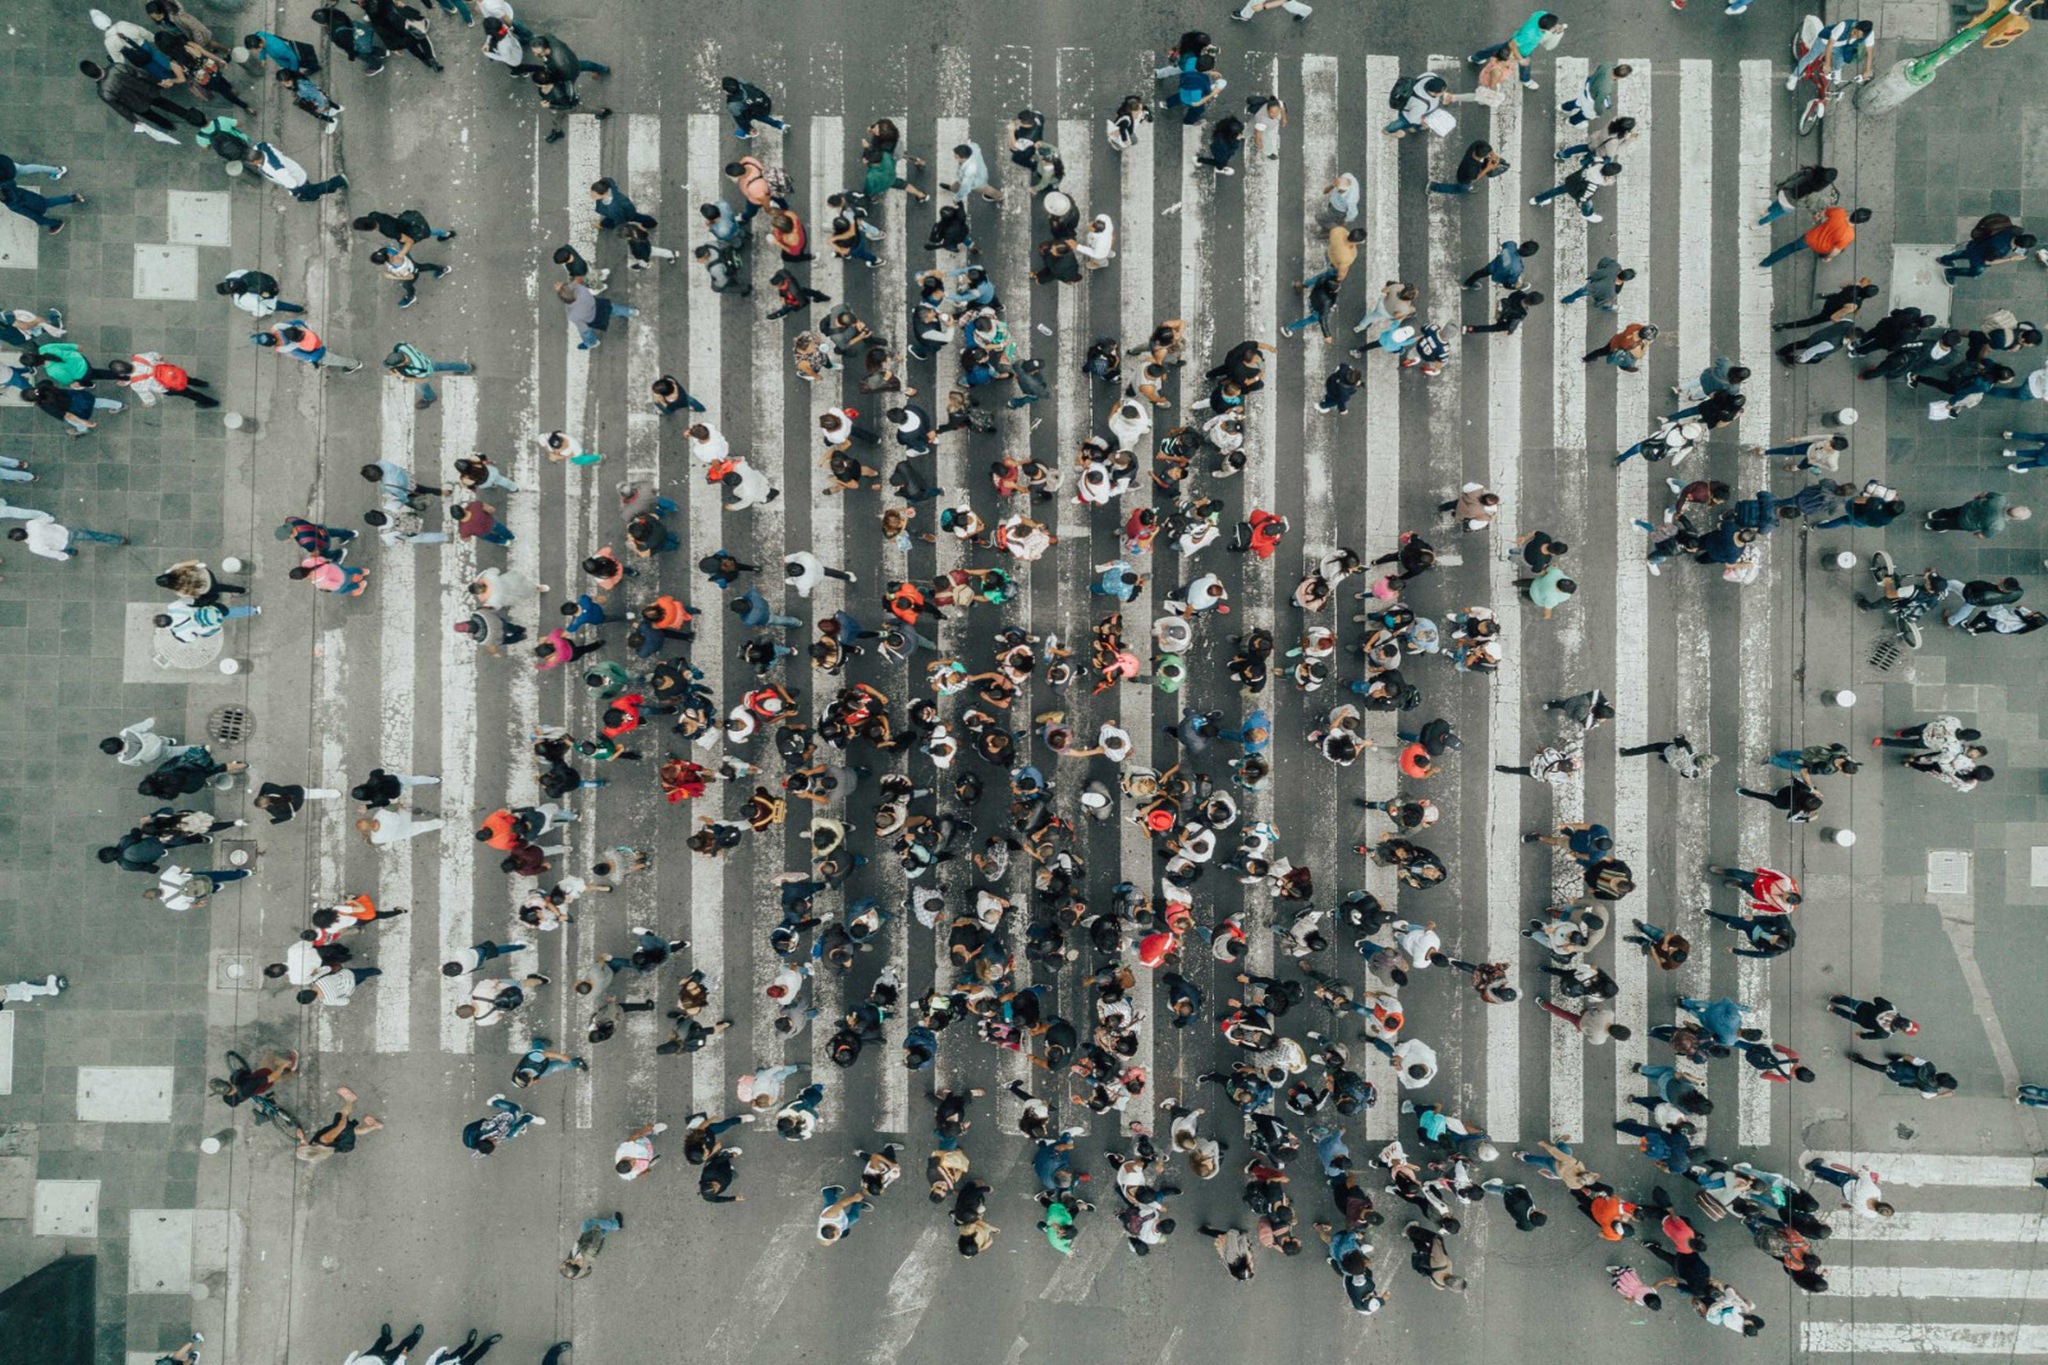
230	725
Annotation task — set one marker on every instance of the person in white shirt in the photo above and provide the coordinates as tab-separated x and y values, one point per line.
636	1155
749	487
182	890
382	1352
188	623
52	539
21	992
1858	1184
1097	247
1414	1062
805	571
709	445
472	1350
394	824
491	998
140	746
336	986
279	169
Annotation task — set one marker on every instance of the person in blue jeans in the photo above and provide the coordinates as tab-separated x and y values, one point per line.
538	1063
36	207
505	1122
838	1211
753	610
700	1134
2032	1096
408	361
2017	458
590	1241
1322	301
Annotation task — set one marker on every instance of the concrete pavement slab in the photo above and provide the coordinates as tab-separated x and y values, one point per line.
124	1094
67	1208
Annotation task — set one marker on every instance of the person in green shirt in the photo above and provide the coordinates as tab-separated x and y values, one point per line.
1983	516
62	362
1548	590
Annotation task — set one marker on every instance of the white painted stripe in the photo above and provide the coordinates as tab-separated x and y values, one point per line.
1693	710
955	78
585	159
778	1269
1934	1339
522	512
2008	1229
1504	702
1753	694
892	291
1631	579
1565	518
1913	1168
457	866
828	536
1013	87
1264	302
2011	1283
707	875
1380	212
641	458
397	684
911	1290
1135	863
1078	1273
329	710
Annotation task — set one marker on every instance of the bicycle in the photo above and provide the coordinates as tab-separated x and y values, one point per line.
1821	76
266	1109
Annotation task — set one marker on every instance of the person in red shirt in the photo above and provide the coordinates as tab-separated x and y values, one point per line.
500	830
1834	228
1772	892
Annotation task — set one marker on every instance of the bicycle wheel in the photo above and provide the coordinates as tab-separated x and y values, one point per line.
1816	110
237	1063
285	1122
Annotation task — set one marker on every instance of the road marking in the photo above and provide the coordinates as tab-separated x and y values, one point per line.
777	1270
1924	1338
456	867
1079	1271
1934	1282
1909	1168
397	682
1135	863
1753	696
2012	1229
1504	694
707	877
911	1290
1262	311
1631	580
1381	211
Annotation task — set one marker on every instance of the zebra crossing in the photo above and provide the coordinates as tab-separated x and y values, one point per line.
1519	413
1953	1274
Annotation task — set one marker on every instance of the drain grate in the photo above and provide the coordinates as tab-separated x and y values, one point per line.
230	725
1886	653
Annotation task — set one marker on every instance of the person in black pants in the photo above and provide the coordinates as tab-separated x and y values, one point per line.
1514	309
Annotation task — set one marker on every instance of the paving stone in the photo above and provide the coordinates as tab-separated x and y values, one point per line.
124	1094
165	271
67	1208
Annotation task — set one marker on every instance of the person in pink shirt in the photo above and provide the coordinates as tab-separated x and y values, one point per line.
328	576
1632	1287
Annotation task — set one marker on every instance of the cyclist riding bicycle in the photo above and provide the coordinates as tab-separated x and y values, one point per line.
1841	44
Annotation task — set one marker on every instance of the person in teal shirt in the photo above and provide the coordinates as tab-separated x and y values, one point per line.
62	363
1548	590
1540	30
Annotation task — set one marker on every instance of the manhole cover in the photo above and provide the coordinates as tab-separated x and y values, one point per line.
230	725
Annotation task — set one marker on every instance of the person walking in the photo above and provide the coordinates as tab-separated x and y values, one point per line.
52	539
506	1121
1625	349
1833	230
1984	516
1581	185
409	362
1603	286
748	104
280	170
1506	266
1596	93
33	206
589	1244
398	264
589	313
1510	313
1910	1073
303	344
1479	164
335	986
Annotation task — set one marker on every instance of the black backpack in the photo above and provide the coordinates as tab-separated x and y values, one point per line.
1403	91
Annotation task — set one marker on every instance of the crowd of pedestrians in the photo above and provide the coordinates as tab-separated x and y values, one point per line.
961	785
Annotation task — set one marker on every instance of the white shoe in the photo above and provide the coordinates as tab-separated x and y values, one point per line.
538	1120
63	171
661	1128
1594	218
